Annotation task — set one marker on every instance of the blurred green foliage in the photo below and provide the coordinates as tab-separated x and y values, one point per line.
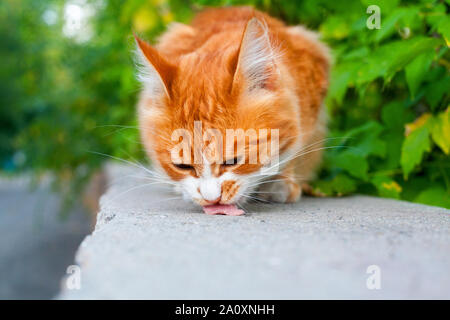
67	89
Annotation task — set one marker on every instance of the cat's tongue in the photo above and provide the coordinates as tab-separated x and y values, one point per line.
226	209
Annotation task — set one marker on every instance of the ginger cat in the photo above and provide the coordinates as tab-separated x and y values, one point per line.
234	68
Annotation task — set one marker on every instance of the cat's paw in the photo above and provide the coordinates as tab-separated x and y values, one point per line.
284	191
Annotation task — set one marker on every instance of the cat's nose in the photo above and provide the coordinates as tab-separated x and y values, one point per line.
210	191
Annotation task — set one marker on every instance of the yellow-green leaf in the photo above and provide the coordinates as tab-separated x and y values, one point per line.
144	19
387	187
416	143
440	130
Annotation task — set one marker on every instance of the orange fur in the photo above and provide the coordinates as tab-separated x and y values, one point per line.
200	67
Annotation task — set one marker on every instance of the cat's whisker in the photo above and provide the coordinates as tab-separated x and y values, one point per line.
129	190
264	182
151	178
255	198
260	182
269	192
301	155
116	180
301	152
304	148
241	206
160	181
136	165
120	128
118	159
117	125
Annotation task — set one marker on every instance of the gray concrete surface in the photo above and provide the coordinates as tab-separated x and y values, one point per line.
36	244
145	246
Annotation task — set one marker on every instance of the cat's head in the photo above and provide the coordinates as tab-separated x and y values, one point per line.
187	105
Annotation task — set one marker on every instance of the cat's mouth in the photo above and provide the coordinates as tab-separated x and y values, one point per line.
224	209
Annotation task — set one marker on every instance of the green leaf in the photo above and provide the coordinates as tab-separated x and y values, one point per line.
414	186
372	145
365	140
444	29
356	54
434	196
340	185
417	70
335	27
440	130
416	143
363	130
355	164
393	57
387	187
442	25
408	51
392	22
436	90
340	79
395	115
388	26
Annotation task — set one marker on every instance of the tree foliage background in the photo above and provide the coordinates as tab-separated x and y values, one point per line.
68	91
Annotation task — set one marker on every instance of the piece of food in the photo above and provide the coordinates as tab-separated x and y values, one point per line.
226	209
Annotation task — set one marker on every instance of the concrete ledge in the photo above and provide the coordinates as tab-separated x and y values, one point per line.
147	247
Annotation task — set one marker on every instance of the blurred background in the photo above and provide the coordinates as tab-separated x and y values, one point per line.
67	107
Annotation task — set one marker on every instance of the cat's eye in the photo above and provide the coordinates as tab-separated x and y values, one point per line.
183	166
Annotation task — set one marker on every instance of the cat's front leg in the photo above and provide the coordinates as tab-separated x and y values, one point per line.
281	188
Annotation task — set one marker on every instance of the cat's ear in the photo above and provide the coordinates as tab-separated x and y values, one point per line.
154	71
256	59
